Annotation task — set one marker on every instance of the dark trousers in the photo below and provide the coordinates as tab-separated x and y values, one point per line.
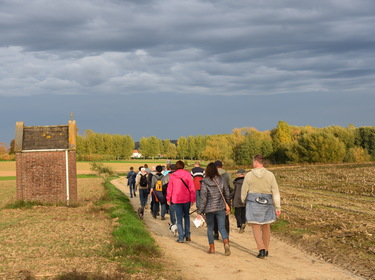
240	214
143	194
216	229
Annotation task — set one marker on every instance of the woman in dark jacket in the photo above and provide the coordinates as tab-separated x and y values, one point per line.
213	190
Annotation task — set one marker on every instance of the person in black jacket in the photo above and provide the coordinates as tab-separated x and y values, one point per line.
239	207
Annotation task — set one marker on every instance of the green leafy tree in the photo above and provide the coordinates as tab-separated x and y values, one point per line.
95	145
81	148
166	143
145	147
170	149
129	146
118	147
192	149
321	147
217	147
282	138
346	135
200	145
150	147
160	147
12	144
112	146
266	146
243	153
156	146
357	154
365	138
182	147
196	145
282	133
253	142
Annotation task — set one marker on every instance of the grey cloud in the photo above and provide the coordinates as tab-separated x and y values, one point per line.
187	47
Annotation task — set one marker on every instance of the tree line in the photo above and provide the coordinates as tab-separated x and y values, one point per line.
283	144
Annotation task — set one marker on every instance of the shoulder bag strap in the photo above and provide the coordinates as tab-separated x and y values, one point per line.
219	190
185	184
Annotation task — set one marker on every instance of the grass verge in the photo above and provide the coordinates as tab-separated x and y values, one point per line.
7	178
133	245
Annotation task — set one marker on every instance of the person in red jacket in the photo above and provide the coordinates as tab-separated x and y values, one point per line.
198	173
181	192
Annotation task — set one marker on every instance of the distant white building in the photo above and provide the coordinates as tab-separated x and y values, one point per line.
136	154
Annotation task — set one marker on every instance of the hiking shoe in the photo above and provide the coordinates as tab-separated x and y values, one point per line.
179	241
262	254
242	228
162	218
188	239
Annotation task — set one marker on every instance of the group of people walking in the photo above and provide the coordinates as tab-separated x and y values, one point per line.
254	195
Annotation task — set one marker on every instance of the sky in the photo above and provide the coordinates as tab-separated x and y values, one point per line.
177	68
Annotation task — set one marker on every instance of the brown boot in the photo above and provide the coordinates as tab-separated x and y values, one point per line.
212	249
226	247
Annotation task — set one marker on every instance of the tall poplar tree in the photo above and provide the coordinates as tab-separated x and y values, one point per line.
182	147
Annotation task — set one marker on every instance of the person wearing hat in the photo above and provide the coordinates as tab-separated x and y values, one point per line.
228	179
239	206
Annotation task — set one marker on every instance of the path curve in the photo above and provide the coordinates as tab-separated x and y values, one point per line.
191	258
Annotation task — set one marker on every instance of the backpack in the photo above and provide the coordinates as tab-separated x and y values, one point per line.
143	180
159	185
160	190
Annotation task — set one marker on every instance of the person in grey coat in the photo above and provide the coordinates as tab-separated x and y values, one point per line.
214	196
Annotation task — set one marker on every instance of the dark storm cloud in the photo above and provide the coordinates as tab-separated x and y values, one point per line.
199	47
173	50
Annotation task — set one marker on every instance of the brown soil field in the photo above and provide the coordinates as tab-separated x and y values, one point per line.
329	211
285	262
43	242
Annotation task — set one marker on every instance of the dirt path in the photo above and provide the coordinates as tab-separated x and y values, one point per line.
284	262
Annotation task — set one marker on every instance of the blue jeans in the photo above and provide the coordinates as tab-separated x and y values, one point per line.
155	209
210	217
182	212
132	188
143	194
172	214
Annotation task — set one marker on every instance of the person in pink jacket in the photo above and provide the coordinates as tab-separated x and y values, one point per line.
181	193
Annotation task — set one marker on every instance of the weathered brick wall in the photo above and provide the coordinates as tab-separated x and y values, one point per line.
41	176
